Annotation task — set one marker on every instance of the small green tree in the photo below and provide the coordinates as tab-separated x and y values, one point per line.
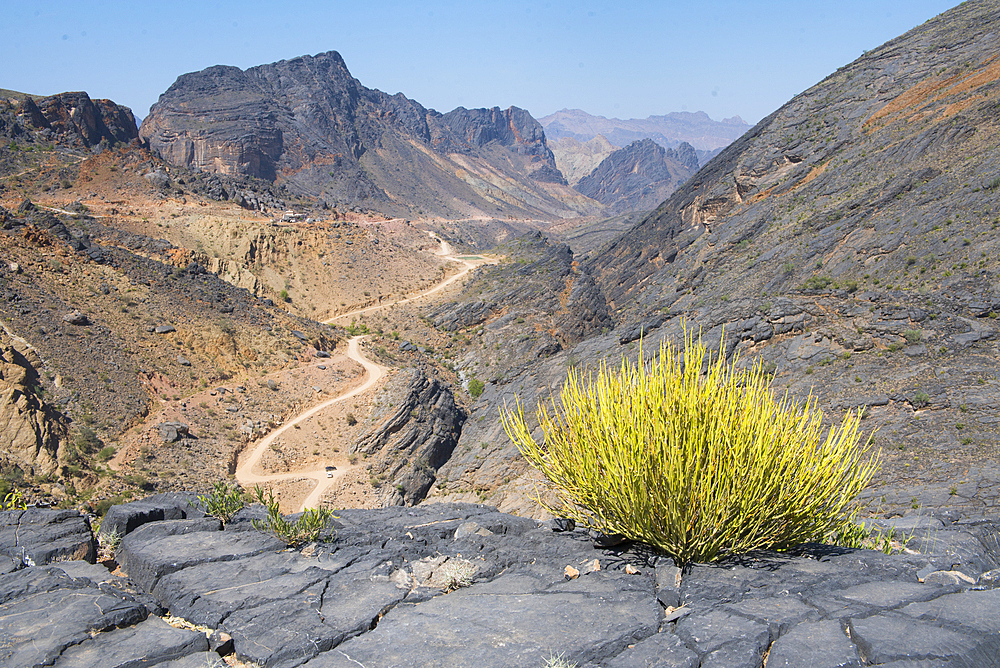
699	465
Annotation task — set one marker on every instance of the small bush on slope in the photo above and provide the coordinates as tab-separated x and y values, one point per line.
697	465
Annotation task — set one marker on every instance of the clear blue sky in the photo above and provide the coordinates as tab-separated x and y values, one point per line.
622	59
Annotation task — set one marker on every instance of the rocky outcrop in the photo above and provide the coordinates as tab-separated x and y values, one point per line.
35	537
33	432
413	441
461	584
76	119
306	122
639	176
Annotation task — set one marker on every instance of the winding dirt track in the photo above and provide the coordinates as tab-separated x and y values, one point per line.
244	471
249	458
444	252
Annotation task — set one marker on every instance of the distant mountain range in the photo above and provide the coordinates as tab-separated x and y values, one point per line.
668	130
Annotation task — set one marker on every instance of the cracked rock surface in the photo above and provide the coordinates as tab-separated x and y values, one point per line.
465	585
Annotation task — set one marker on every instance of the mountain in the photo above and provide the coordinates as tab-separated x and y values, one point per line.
308	124
850	243
639	176
577	159
668	130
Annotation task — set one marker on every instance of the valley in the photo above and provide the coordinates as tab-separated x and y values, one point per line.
187	302
285	282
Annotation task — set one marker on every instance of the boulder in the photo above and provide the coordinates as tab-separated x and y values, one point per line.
40	536
172	432
76	318
127	517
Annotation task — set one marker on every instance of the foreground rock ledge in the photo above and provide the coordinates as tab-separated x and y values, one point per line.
465	585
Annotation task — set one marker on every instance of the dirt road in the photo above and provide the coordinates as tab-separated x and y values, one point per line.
244	470
470	262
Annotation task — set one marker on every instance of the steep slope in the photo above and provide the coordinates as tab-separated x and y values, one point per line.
890	158
639	176
668	130
308	123
850	243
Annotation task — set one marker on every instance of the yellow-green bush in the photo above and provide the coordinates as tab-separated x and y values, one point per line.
699	465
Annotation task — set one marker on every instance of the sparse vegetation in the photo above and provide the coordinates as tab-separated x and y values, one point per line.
223	501
13	501
628	452
308	528
476	388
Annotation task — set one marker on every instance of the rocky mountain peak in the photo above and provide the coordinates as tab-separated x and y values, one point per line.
307	122
638	176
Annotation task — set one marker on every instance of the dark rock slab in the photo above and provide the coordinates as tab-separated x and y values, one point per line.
197	660
709	632
150	642
974	609
515	620
41	536
816	644
96	573
126	517
208	593
894	637
147	556
289	632
663	650
52	612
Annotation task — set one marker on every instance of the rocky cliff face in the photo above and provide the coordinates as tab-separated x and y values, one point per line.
577	159
513	128
68	118
309	123
639	176
413	440
33	432
864	180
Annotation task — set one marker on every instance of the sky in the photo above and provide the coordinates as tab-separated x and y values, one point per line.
615	59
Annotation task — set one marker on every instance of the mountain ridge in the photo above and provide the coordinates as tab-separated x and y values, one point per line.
668	130
308	123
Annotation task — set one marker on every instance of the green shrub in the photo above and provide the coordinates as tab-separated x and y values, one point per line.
817	283
912	335
306	529
223	502
476	388
697	465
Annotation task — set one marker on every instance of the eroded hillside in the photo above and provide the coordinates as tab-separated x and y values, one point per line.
850	242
